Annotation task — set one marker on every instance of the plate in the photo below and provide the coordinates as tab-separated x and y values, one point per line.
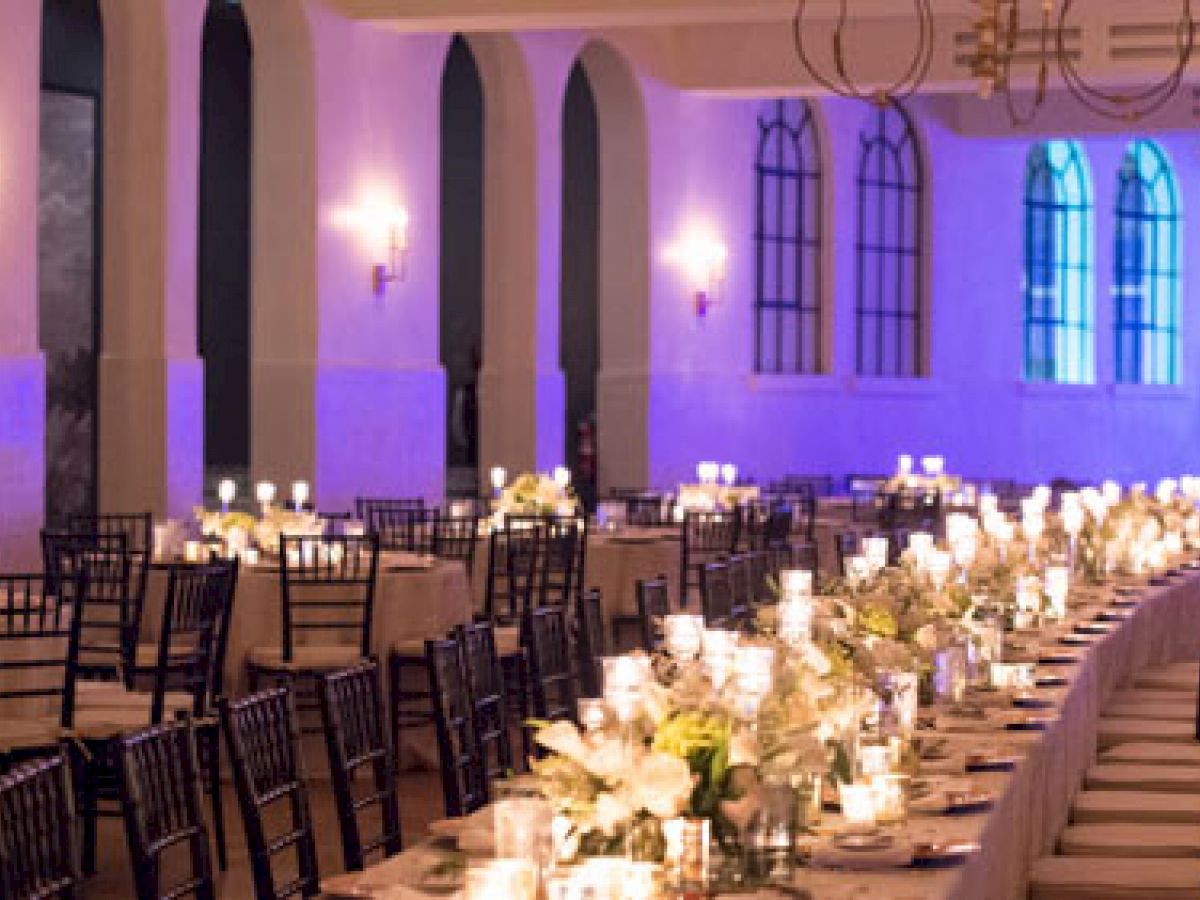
1112	616
1029	723
960	804
863	841
979	762
943	853
1045	681
1029	701
1097	628
1058	659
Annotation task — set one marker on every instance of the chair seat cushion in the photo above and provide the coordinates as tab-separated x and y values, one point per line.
1153	753
28	733
306	658
508	640
1133	777
1136	806
1093	878
1131	841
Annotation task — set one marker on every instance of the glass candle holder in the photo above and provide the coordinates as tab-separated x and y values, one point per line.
501	879
624	677
899	699
753	672
683	635
795	616
858	569
796	583
719	648
875	549
890	794
858	805
524	829
1057	586
593	713
1029	601
686	859
192	551
950	674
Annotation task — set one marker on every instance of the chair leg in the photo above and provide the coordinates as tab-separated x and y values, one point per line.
523	687
394	708
87	804
218	803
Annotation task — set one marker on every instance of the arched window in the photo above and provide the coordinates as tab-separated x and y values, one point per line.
1058	265
890	239
1146	268
787	238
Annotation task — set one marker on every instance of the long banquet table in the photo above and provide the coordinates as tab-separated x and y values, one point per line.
1032	802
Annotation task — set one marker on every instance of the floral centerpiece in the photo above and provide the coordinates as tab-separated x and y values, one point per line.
537	495
236	529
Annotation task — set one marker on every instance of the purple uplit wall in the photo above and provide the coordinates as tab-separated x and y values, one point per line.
707	402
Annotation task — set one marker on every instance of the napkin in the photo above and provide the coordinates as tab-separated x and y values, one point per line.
896	855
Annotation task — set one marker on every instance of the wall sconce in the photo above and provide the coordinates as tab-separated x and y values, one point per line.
395	222
702	258
383	226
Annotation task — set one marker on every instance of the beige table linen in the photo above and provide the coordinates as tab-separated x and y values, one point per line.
1032	803
410	604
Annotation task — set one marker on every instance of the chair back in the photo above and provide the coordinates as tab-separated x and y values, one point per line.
115	590
514	554
646	509
489	701
136	528
328	587
196	606
263	739
846	544
653	604
409	530
223	628
158	773
39	852
864	491
741	580
591	645
716	595
367	508
545	634
561	558
463	788
351	702
39	644
456	537
705	537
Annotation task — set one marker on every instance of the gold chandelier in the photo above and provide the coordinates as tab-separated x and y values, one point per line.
998	33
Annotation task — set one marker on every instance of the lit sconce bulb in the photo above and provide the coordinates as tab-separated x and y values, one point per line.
385	226
703	259
226	491
300	494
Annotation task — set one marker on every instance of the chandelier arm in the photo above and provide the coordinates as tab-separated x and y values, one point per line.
1016	115
1127	106
844	85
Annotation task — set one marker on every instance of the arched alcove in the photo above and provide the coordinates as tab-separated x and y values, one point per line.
622	269
223	264
70	153
578	327
461	261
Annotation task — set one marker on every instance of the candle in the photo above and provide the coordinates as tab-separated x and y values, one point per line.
904	465
264	493
875	759
501	879
858	569
498	478
300	494
683	635
933	465
795	619
250	556
988	505
890	796
719	648
920	545
875	549
858	804
796	583
593	713
562	477
938	564
226	491
729	474
753	670
686	853
1057	585
624	677
191	551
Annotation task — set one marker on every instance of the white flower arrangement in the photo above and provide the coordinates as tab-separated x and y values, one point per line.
536	495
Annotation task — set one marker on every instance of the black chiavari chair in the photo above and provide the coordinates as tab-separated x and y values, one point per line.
39	647
160	798
463	786
409	530
108	637
456	537
39	852
590	642
514	555
546	636
865	491
489	702
741	581
367	508
654	604
263	739
328	591
558	554
716	595
356	737
846	544
645	509
136	528
705	537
